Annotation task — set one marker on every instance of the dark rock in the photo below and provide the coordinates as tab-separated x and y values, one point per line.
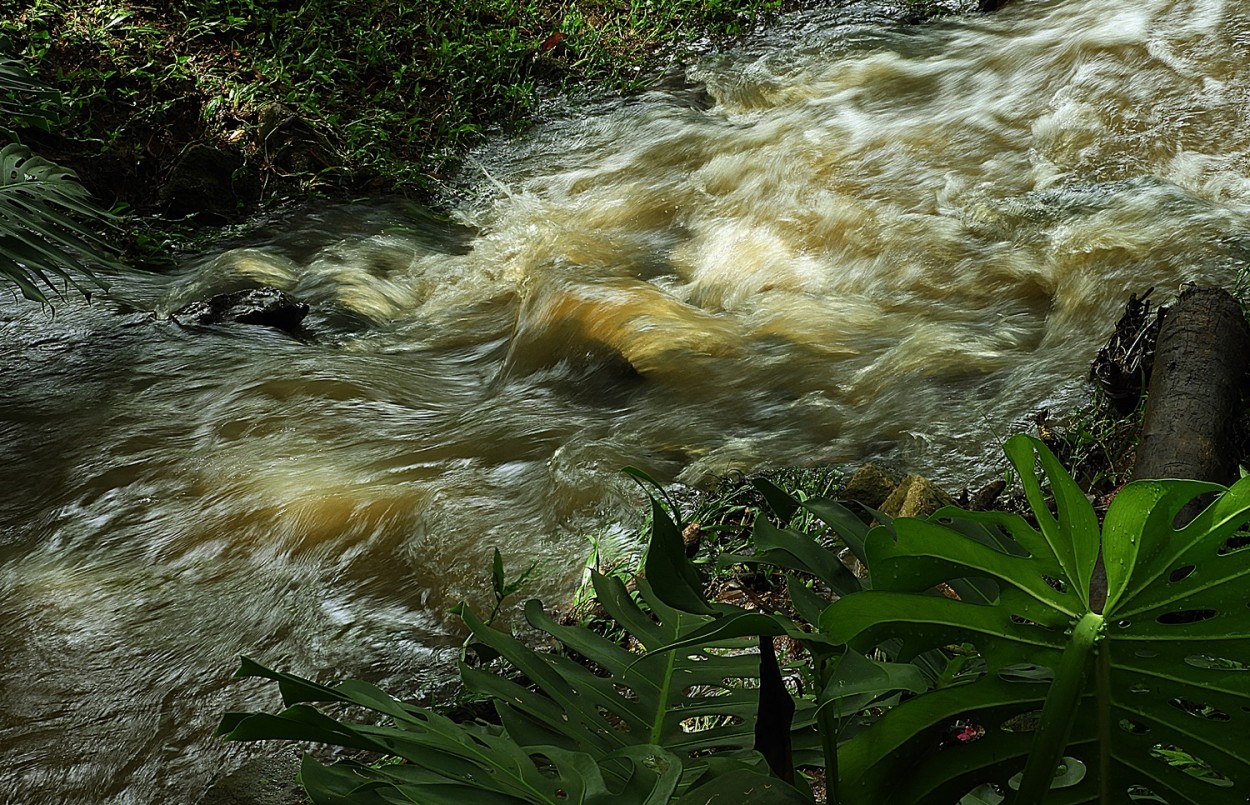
691	538
260	781
291	144
987	495
268	307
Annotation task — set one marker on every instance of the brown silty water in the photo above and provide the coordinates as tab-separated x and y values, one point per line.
857	239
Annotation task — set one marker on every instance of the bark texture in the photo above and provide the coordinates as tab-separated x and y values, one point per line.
1195	390
1195	394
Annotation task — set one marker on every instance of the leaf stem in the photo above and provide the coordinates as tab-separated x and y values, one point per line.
1059	711
828	722
1103	671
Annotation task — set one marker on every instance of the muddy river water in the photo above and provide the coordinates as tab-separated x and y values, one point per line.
850	238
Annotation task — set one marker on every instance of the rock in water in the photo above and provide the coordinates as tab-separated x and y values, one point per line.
268	307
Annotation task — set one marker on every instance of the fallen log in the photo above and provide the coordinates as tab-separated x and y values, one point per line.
1194	397
1195	390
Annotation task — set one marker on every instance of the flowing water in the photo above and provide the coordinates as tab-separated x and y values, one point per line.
852	239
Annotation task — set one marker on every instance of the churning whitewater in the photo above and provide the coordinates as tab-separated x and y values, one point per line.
851	239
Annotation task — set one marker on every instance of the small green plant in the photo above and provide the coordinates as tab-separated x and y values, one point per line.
502	587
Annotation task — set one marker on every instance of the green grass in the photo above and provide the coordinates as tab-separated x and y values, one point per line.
394	91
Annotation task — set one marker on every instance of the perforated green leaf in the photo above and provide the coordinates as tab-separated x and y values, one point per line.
1151	698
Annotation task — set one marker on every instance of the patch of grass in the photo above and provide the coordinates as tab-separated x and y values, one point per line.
376	97
1099	445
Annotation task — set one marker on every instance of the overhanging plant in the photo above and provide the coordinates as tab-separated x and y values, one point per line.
44	243
47	217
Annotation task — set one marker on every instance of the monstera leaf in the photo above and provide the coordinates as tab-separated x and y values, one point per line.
446	762
694	703
1148	700
595	722
44	242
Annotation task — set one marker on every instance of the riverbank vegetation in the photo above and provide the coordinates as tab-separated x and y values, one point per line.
200	112
971	657
205	109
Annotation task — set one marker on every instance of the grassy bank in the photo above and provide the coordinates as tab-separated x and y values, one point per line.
205	110
283	99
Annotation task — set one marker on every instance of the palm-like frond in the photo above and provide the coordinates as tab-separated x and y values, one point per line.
45	245
24	102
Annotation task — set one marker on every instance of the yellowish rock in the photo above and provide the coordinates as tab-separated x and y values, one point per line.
915	497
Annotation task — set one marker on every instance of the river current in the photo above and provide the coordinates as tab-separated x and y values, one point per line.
850	238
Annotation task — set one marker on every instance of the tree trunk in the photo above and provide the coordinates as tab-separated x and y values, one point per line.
1195	390
1194	399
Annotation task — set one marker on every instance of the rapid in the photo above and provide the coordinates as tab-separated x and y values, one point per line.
848	239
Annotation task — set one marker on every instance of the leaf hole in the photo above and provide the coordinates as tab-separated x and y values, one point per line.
1069	772
1058	585
732	683
1138	688
1234	543
1027	672
1124	624
1192	765
1145	654
1181	573
1186	616
1207	662
1025	722
1016	619
613	719
704	723
963	732
1133	727
1140	793
1199	710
